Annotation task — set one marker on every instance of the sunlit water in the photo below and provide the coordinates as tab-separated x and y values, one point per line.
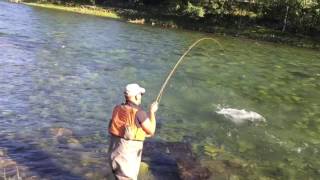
67	70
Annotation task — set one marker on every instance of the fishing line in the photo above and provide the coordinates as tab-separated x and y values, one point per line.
179	61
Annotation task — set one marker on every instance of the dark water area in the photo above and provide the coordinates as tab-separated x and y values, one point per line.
62	73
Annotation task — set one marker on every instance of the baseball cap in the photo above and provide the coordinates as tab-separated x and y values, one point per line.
133	90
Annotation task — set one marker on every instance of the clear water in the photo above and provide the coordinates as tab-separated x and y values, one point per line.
67	70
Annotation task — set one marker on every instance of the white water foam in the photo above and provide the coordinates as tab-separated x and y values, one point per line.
240	116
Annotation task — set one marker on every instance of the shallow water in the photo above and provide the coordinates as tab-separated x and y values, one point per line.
67	70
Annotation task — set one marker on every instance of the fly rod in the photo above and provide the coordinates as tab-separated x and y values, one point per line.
178	62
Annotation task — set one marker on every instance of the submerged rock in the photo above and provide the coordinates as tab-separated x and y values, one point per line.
2	152
74	144
57	132
144	172
227	165
212	150
173	160
13	170
64	137
144	168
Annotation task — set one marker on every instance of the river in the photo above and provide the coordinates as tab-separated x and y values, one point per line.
62	73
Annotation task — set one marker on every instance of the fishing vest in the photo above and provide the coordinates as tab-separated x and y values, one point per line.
123	123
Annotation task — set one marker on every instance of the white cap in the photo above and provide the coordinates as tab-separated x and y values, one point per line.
133	90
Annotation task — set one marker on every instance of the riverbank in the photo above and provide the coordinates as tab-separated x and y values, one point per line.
167	21
84	9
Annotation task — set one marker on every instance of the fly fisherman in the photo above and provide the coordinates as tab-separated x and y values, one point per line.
128	128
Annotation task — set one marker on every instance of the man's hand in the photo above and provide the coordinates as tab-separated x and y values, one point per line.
154	107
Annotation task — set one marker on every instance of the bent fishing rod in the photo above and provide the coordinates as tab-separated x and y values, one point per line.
164	85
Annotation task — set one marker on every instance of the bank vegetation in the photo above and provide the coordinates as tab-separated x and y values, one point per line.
289	21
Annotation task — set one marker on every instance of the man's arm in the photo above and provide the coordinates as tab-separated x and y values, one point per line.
149	125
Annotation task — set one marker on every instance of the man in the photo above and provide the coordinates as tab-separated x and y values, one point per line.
128	128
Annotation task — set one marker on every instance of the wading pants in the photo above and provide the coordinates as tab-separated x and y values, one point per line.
125	157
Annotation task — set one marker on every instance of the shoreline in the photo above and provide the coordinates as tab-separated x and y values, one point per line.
132	16
83	9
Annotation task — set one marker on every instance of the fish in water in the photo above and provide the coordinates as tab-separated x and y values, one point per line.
239	116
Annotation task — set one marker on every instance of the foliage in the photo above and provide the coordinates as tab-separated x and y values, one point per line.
194	11
297	16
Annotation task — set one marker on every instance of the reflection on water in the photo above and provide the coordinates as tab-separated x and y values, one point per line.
61	74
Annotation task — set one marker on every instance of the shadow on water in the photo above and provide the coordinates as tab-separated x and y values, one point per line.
39	163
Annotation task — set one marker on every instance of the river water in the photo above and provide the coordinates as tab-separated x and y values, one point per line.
62	73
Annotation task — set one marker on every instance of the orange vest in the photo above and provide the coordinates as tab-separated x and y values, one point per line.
122	116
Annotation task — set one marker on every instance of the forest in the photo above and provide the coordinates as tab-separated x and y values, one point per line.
293	16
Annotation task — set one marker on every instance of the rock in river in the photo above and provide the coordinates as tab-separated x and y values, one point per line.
173	160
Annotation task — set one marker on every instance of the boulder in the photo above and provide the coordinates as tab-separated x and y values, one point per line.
57	132
173	159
